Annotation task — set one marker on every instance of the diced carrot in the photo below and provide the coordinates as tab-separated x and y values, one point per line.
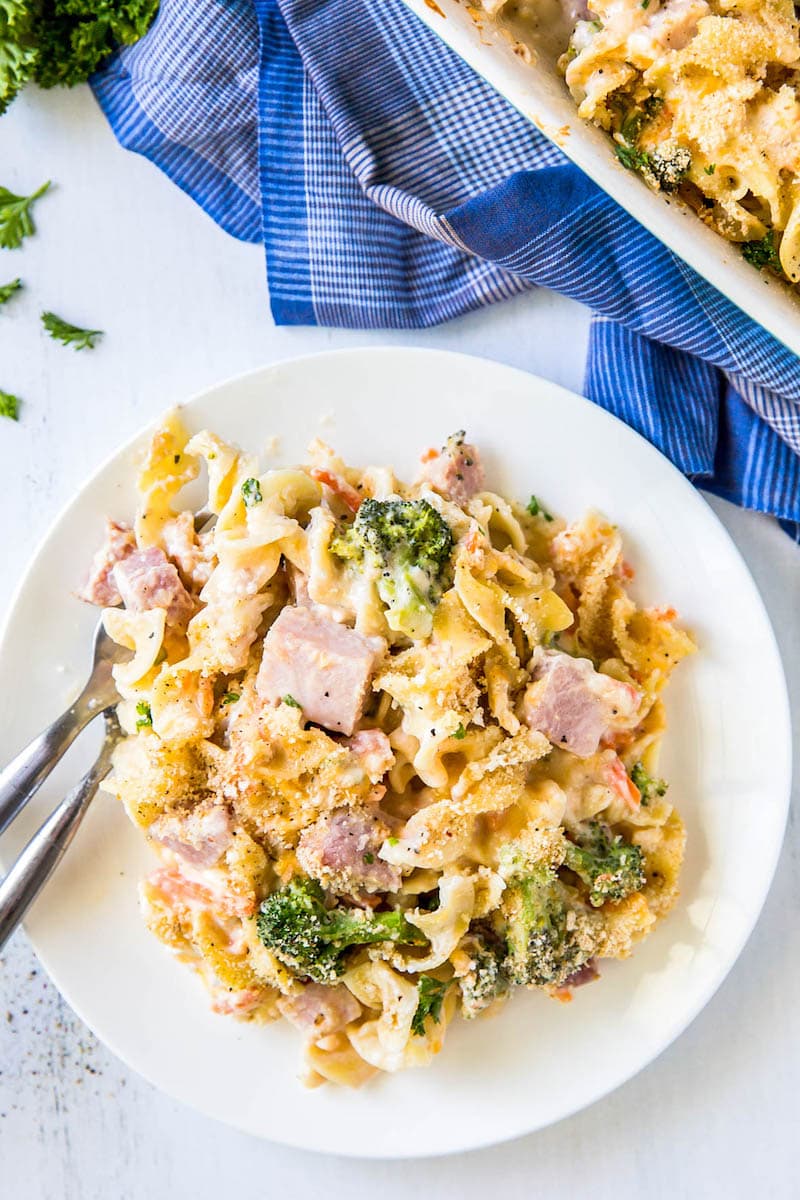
617	740
428	455
663	614
622	784
340	487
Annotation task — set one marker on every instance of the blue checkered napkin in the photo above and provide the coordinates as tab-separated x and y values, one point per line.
393	188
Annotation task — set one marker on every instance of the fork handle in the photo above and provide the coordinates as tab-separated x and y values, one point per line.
45	850
25	774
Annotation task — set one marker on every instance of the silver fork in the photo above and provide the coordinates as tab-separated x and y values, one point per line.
44	851
24	775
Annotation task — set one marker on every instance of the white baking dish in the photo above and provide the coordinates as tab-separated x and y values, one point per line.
540	94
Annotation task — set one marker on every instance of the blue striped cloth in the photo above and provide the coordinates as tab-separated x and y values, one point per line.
392	187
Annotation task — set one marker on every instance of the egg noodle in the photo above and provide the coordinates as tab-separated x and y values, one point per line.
701	98
394	745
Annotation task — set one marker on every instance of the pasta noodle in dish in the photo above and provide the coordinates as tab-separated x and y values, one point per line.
395	745
701	98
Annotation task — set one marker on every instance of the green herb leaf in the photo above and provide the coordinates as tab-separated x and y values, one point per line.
631	158
8	290
230	697
369	859
251	492
145	718
460	733
74	37
70	335
536	510
16	222
9	406
710	169
430	993
290	700
393	841
17	48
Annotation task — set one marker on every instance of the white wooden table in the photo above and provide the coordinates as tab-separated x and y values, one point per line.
185	306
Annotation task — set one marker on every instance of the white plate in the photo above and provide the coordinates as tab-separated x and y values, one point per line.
540	94
727	757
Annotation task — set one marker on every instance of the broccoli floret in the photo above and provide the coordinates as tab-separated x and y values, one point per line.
667	166
609	866
763	253
431	993
649	786
311	939
486	979
663	168
409	545
549	933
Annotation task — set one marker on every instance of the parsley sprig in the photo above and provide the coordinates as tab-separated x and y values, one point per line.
9	406
430	998
64	42
8	289
70	335
16	221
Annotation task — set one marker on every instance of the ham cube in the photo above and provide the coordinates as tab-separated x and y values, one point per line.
456	471
324	667
200	836
373	750
320	1010
100	587
341	851
574	705
190	551
147	579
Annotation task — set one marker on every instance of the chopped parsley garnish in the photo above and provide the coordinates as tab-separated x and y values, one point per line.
251	492
16	222
460	733
290	700
369	859
710	169
631	158
9	406
8	290
70	335
431	993
144	718
393	841
230	697
537	510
